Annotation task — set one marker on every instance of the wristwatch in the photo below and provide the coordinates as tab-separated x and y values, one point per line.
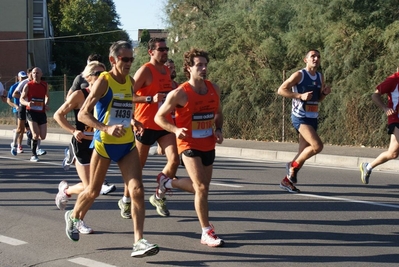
148	99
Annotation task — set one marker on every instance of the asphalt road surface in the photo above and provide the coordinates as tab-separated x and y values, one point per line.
335	221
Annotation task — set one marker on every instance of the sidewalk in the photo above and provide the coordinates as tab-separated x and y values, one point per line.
337	156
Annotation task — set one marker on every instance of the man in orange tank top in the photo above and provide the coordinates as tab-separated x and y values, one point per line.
35	97
197	113
152	84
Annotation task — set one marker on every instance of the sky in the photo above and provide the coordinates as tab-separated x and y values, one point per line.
140	14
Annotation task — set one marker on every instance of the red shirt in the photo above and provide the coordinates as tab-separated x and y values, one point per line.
390	86
37	94
198	116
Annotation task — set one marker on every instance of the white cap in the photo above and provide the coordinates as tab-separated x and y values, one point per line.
22	74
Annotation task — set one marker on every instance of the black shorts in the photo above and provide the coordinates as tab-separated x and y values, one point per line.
149	136
79	151
22	113
391	127
207	157
38	117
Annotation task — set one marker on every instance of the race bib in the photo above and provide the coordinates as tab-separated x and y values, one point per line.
121	112
37	104
312	107
202	125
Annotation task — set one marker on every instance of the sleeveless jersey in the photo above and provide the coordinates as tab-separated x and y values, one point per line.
37	94
390	87
198	116
87	130
308	83
144	112
115	107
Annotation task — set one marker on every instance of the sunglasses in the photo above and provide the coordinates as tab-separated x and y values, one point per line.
126	59
162	49
97	73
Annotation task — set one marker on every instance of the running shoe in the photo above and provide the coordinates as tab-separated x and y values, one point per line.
83	228
160	205
210	239
143	249
66	163
162	179
41	152
287	185
12	145
107	188
70	228
61	199
13	150
34	159
20	150
291	173
364	173
125	209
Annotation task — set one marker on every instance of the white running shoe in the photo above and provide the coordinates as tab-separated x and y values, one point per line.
61	199
20	150
34	159
143	249
41	152
211	239
107	188
83	228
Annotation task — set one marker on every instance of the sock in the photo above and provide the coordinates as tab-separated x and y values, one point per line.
295	164
168	184
65	191
368	167
15	138
34	147
38	144
206	229
125	199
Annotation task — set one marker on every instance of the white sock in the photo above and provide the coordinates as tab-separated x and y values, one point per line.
368	167
125	199
15	138
168	184
206	229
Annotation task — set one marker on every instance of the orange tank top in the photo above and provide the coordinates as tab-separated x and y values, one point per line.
198	116
144	112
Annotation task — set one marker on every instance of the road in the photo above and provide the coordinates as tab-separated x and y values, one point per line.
335	221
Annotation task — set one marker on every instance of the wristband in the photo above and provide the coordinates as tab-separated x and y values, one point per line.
218	129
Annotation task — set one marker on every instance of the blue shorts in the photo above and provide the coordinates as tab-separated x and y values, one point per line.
113	152
296	122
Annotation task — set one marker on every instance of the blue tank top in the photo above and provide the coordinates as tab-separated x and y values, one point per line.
308	83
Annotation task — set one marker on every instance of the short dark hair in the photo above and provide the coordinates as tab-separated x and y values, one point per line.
30	69
153	41
189	59
95	57
310	50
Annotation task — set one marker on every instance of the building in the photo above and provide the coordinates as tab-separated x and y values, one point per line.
25	38
154	33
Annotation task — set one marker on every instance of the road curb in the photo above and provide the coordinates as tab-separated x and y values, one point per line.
261	154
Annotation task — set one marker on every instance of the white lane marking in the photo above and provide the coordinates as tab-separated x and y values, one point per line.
11	241
351	200
90	263
227	185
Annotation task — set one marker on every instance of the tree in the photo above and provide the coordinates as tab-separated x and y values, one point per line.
145	37
86	26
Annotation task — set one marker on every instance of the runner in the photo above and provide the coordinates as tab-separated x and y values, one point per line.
197	109
111	97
